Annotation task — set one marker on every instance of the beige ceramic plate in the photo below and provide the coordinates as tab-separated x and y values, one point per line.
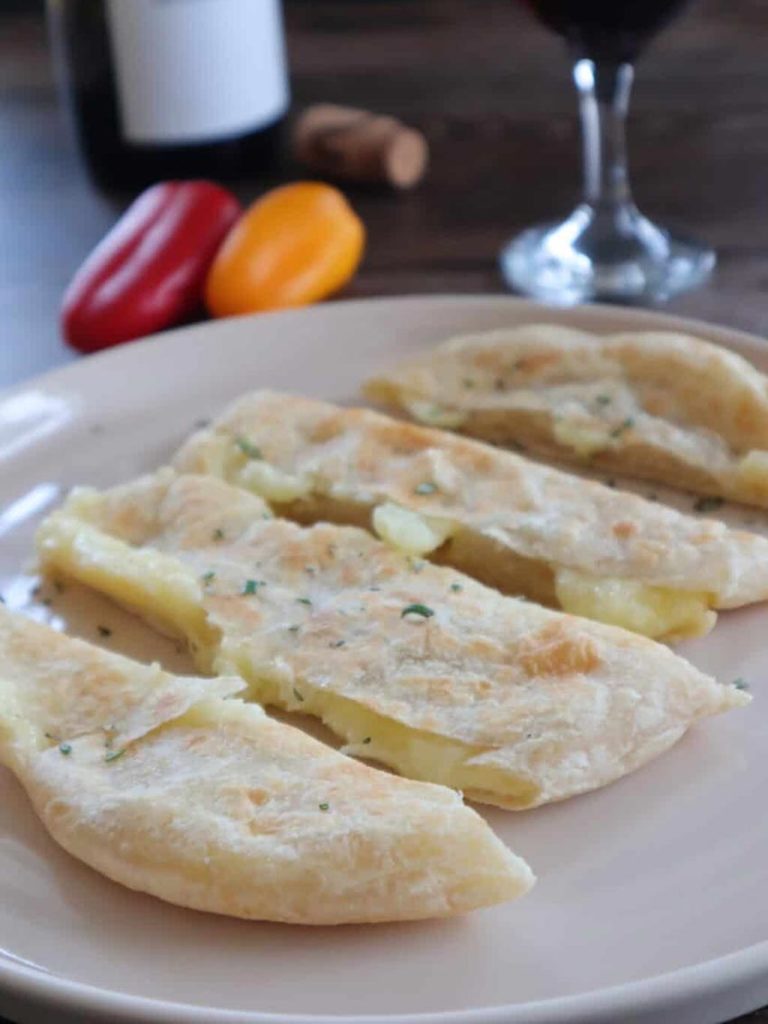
652	902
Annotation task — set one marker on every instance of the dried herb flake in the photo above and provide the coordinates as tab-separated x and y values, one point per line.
417	609
626	425
251	450
251	586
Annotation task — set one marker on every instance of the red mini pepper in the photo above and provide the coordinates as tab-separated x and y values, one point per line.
148	272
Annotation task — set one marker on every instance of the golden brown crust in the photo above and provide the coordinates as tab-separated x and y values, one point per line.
345	463
553	650
167	788
657	405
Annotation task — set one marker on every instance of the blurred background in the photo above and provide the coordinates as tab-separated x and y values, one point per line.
490	89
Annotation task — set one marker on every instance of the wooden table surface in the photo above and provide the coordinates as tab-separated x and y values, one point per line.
491	90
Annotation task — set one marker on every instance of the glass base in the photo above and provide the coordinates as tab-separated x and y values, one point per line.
613	255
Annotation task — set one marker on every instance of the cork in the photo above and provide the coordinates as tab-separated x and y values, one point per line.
357	145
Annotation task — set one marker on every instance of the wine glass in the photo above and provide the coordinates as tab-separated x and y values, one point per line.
606	249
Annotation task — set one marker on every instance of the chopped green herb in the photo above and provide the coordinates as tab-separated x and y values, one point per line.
468	382
209	577
310	570
104	631
741	684
337	643
248	449
456	587
303	600
218	533
603	399
425	488
50	736
708	504
367	740
626	425
294	629
324	806
251	586
65	748
112	755
417	609
299	696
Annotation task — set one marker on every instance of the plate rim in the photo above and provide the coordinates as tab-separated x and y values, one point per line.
687	988
694	987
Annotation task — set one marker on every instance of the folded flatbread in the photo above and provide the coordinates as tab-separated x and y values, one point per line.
515	524
411	664
655	405
163	785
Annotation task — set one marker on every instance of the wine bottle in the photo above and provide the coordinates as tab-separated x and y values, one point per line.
162	89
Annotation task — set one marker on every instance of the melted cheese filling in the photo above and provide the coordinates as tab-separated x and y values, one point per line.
156	586
410	531
436	415
580	438
272	483
411	752
752	473
648	610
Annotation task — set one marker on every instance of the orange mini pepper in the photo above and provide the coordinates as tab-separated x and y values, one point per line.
297	244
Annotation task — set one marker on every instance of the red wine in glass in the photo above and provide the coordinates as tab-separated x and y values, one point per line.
610	30
606	249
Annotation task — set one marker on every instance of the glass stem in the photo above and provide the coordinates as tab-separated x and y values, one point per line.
604	91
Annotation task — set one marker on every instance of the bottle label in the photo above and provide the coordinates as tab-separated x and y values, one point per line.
194	71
